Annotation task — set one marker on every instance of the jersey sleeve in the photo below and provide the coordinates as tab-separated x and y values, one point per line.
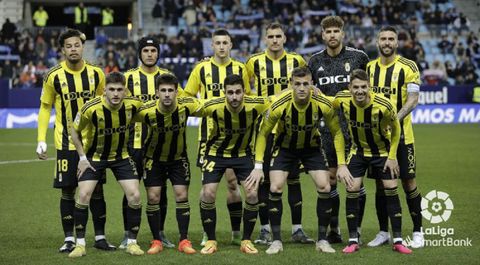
193	83
413	75
48	91
101	84
246	81
331	119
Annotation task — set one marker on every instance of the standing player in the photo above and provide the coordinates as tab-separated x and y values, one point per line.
166	157
234	119
106	121
375	133
141	84
331	71
67	86
398	79
271	71
297	114
207	79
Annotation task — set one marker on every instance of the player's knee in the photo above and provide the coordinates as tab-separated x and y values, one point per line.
323	187
251	196
208	195
133	197
181	195
409	184
84	196
153	197
276	188
390	183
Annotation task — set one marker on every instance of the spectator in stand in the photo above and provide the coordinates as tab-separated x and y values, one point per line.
461	23
8	70
445	45
9	30
436	75
107	17
40	17
111	67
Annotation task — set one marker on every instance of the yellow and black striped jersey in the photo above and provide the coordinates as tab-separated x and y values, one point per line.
297	126
107	128
207	78
141	84
391	80
69	90
369	126
232	132
167	140
272	76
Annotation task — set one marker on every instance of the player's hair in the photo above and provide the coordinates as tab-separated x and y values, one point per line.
222	32
388	28
301	72
115	77
332	21
359	74
71	33
274	25
233	79
168	79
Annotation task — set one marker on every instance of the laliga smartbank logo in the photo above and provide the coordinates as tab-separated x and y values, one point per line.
437	207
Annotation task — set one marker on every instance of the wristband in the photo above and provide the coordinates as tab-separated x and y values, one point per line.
83	157
259	166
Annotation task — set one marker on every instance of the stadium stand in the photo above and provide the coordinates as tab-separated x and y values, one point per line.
433	33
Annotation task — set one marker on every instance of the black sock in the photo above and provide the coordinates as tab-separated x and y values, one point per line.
183	218
362	199
250	212
295	200
394	211
335	199
275	210
263	191
414	200
153	217
235	211
134	217
208	212
324	211
124	212
98	208
163	207
67	207
351	211
81	218
381	207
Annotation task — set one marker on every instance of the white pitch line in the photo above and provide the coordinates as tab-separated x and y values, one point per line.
23	161
17	144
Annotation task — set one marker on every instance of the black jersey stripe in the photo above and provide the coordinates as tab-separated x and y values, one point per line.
381	131
283	71
356	139
367	119
160	119
243	125
228	136
122	116
216	81
376	75
93	147
294	132
269	71
107	143
174	140
308	121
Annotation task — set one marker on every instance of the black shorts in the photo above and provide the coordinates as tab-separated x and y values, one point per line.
214	167
293	176
406	160
122	169
288	160
157	173
358	165
137	157
66	170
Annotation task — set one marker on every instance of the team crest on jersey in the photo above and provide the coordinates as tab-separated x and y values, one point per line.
129	115
64	84
91	79
315	116
395	77
182	117
137	83
287	119
375	118
347	66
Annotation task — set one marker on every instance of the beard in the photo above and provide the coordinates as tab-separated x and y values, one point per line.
385	54
74	61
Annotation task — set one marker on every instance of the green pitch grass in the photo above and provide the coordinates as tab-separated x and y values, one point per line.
30	228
